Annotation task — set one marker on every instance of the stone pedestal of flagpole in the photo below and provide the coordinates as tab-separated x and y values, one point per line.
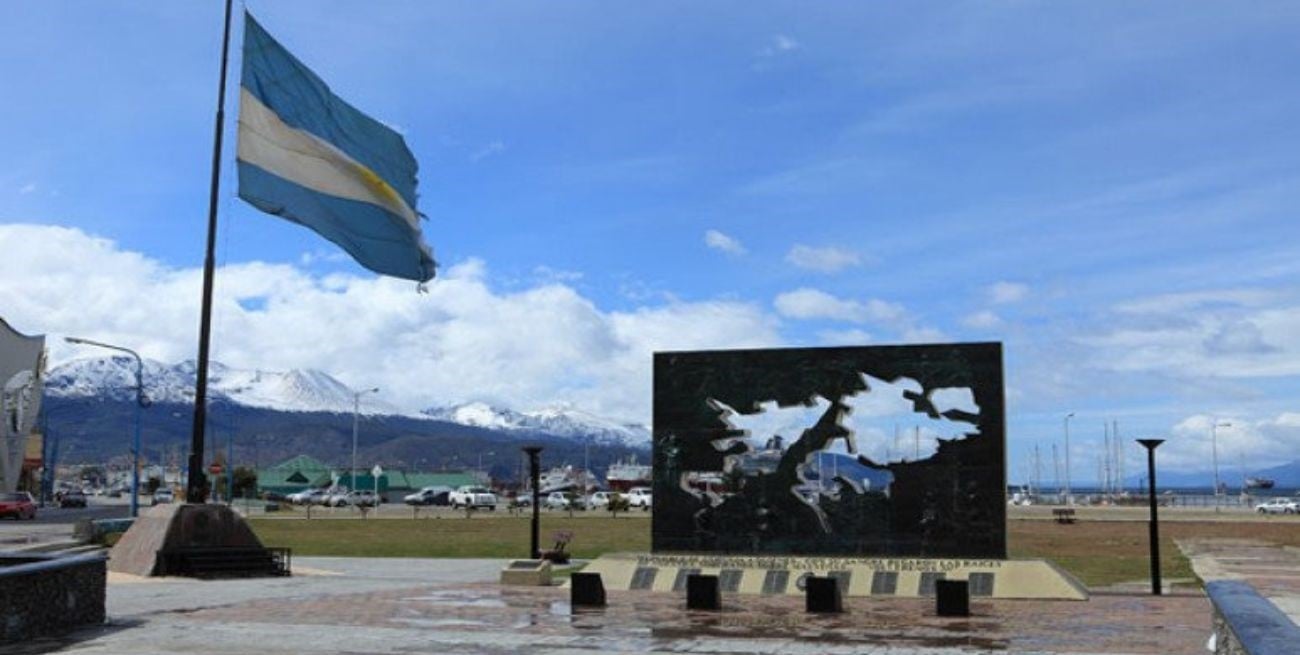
176	527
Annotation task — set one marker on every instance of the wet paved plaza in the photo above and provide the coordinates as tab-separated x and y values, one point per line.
355	606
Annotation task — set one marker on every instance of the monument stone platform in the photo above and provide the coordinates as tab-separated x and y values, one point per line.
866	576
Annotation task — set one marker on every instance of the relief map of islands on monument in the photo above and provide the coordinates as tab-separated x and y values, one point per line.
865	451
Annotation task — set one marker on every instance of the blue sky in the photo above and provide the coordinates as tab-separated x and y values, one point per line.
1108	188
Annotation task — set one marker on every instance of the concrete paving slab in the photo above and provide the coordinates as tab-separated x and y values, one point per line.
401	606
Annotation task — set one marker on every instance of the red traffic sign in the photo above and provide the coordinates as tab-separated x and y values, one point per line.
216	468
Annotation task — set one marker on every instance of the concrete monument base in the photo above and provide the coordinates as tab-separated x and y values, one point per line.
177	526
897	577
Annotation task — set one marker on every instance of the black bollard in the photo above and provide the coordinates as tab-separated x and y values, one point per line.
823	595
952	597
586	590
703	592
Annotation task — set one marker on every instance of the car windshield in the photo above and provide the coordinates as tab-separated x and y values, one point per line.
11	498
479	490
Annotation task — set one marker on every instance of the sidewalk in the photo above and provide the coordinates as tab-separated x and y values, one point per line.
347	606
1274	571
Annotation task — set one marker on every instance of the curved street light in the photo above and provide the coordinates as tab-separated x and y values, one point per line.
140	402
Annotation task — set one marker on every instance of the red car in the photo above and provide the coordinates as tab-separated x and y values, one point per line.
18	505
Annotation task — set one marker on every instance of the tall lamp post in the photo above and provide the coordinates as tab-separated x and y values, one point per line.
1214	454
534	474
356	418
1069	500
1150	445
139	403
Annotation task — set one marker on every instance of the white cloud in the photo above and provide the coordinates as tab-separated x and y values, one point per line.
488	150
719	241
807	303
461	341
30	187
1007	292
1255	443
1237	334
779	44
548	274
850	337
825	260
984	320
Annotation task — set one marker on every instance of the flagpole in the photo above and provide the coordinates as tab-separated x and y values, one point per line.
195	491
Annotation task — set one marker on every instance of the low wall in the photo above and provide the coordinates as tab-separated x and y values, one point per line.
44	594
1246	623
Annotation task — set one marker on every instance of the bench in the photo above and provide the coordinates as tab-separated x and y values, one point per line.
1063	515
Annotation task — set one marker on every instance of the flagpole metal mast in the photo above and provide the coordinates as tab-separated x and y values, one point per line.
195	492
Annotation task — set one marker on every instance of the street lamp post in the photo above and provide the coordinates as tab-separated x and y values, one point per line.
534	474
1214	454
1068	499
139	403
356	417
1154	525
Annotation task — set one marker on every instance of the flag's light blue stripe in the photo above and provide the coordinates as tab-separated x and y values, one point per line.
378	239
303	100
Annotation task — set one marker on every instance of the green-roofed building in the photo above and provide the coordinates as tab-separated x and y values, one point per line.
291	475
304	472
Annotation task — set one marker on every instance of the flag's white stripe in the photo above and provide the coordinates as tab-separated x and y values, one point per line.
310	161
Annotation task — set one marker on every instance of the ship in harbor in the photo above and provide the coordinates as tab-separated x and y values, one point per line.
1259	482
624	475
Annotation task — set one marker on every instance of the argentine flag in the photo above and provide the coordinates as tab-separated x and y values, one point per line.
307	156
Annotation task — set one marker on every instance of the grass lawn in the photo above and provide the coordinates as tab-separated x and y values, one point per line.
1099	553
481	536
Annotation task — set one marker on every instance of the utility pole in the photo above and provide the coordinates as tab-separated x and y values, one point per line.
356	419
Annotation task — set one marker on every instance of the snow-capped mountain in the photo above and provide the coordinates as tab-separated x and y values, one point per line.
291	391
113	378
559	420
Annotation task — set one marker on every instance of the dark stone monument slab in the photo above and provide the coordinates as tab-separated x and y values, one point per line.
893	451
586	590
952	598
702	592
823	595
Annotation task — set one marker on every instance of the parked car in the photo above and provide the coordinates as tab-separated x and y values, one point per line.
436	495
599	500
309	497
1278	506
564	500
470	496
163	496
639	497
72	499
337	498
522	499
365	498
18	505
